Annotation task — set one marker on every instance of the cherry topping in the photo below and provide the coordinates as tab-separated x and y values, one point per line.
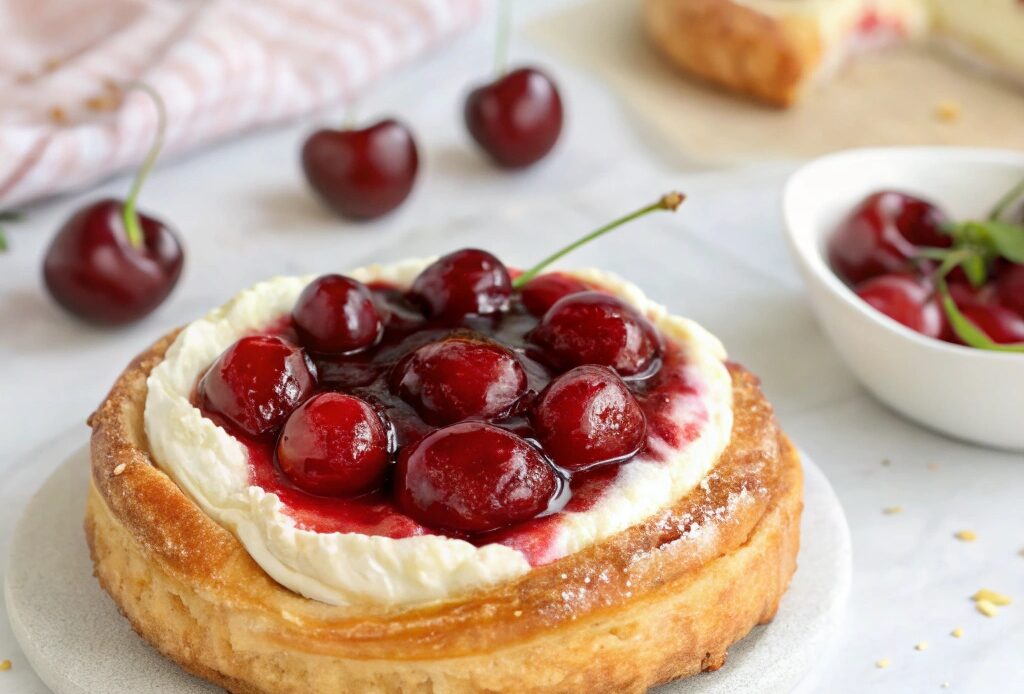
336	315
362	174
110	264
462	283
1010	287
334	445
94	271
460	377
907	300
517	118
596	328
474	477
1002	325
882	234
257	383
541	293
586	417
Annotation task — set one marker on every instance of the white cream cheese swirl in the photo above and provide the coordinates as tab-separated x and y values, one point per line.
211	466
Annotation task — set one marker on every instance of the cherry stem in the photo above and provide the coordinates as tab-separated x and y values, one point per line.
6	217
132	225
1005	201
669	201
501	41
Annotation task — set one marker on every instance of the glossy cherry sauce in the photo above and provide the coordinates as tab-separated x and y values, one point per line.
670	398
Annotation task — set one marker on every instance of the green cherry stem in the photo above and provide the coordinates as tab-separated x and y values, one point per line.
501	40
669	202
132	225
1004	202
6	217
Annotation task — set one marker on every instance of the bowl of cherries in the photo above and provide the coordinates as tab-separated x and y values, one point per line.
914	260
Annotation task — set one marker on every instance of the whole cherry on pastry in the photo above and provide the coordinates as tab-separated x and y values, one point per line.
586	417
906	299
334	445
337	315
473	477
466	282
257	383
596	328
362	173
883	233
517	118
111	264
541	293
460	377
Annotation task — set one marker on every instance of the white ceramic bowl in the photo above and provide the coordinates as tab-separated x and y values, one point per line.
967	393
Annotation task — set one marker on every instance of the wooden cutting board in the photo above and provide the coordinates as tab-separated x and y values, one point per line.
894	96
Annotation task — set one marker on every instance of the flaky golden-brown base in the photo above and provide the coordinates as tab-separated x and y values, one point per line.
662	600
737	47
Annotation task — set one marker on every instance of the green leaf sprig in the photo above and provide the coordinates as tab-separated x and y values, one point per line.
977	244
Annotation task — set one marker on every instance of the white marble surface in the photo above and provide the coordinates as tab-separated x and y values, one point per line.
244	214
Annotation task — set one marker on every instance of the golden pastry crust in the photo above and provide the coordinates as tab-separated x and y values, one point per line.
662	600
733	45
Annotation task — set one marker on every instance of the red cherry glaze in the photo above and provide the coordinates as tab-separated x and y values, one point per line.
93	270
541	293
334	445
1002	325
336	315
458	378
596	328
473	477
882	234
362	174
1010	287
905	299
257	383
466	282
586	417
517	118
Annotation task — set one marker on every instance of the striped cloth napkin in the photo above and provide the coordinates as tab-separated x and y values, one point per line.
222	66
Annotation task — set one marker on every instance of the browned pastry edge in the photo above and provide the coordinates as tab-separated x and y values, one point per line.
735	46
661	600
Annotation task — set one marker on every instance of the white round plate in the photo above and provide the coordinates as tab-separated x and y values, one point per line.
78	643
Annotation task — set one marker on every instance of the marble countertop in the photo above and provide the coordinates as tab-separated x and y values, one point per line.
245	214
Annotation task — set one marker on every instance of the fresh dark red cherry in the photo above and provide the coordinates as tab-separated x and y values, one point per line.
907	300
1002	325
257	383
336	315
362	174
882	234
458	378
473	477
596	328
1010	287
94	271
517	118
586	417
334	445
541	293
466	282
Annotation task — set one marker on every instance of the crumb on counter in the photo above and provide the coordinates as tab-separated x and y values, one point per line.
992	597
966	536
957	633
945	685
948	111
886	462
892	510
987	608
933	466
882	664
922	646
5	665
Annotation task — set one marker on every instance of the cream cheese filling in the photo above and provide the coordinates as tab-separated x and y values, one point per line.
211	466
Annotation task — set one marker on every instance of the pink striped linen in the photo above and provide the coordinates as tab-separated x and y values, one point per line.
222	66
